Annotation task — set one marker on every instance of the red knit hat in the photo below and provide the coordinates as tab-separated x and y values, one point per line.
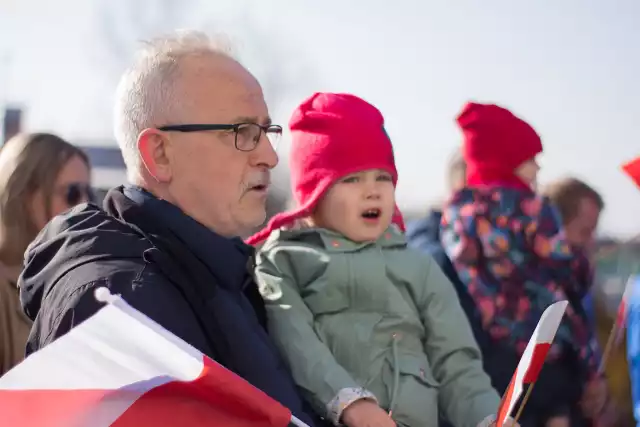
495	143
333	135
632	169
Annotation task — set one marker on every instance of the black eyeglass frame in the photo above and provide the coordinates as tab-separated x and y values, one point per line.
187	128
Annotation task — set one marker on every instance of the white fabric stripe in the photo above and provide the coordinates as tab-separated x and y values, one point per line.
115	348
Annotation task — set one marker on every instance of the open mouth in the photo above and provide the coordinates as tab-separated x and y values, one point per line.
371	214
259	187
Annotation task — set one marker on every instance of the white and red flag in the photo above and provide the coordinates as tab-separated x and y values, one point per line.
532	359
623	310
121	369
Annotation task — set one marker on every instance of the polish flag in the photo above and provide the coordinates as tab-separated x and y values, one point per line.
532	359
623	309
632	169
619	325
121	369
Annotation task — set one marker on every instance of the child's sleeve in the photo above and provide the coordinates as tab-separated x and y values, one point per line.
466	395
325	384
570	268
457	234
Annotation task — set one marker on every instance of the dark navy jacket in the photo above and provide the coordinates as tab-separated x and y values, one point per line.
194	283
424	235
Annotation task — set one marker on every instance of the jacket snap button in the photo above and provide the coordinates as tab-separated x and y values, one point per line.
335	243
387	236
421	373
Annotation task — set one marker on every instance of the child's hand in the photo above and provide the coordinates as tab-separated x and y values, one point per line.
366	413
594	398
560	421
609	417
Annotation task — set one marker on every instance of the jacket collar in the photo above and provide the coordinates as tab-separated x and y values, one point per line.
227	259
334	242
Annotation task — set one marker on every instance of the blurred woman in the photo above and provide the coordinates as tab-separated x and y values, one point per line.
41	175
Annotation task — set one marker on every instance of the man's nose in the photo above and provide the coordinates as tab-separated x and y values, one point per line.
265	154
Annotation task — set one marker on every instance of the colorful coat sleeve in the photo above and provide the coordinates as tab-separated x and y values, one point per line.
324	382
573	270
460	240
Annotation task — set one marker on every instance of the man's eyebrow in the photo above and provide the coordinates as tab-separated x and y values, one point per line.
246	119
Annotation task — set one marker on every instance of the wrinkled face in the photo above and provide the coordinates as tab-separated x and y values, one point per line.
528	172
359	206
72	187
203	172
581	229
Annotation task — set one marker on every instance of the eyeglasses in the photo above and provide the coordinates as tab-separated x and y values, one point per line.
77	192
247	135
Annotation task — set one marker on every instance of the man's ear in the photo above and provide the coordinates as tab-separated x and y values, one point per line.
155	151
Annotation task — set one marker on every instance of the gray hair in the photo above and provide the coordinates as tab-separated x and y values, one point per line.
146	96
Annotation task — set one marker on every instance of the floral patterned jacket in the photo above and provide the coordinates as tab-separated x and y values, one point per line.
509	249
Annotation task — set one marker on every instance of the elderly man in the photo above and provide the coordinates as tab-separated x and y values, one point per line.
196	138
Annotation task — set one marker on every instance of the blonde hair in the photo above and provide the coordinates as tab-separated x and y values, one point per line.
146	95
28	163
456	171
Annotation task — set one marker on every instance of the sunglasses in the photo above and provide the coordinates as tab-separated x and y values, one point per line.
77	192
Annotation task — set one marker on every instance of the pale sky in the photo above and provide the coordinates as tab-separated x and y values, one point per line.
570	68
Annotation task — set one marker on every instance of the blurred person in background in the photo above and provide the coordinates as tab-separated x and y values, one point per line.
508	248
41	175
424	235
580	207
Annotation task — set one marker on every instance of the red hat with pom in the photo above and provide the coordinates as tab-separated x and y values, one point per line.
333	135
495	143
632	169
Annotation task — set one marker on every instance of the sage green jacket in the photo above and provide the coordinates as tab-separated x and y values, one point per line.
374	320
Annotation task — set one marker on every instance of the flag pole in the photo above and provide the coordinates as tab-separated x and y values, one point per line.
298	422
524	402
608	348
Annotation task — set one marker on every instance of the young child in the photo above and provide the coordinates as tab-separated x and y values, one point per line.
372	331
507	246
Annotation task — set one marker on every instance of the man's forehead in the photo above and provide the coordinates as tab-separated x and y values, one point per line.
222	87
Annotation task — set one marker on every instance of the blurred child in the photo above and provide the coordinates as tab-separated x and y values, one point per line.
372	331
507	246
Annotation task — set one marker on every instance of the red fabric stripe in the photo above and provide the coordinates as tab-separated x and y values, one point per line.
217	397
621	317
38	408
537	360
503	413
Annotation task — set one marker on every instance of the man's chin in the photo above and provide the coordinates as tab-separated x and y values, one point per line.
254	223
